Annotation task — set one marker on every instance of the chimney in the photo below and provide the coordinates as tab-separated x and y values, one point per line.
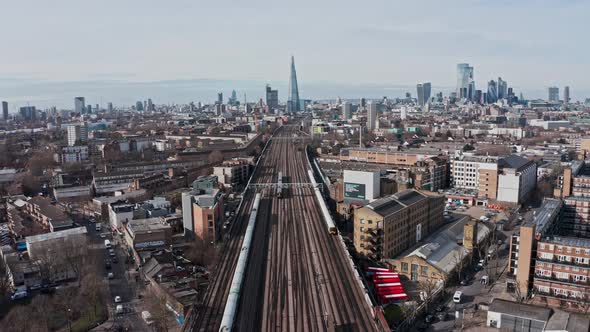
470	235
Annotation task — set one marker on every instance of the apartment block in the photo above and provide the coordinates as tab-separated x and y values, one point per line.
475	173
575	217
232	172
202	213
388	226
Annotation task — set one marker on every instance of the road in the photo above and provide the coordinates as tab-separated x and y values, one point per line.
298	277
123	284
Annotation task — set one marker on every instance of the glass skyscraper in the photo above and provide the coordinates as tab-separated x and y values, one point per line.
465	83
293	104
492	95
423	92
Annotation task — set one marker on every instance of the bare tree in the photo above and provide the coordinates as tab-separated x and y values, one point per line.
201	253
41	307
427	288
18	320
93	292
517	295
459	260
215	157
162	317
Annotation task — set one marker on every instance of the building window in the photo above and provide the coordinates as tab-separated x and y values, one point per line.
362	221
542	245
404	267
210	224
424	270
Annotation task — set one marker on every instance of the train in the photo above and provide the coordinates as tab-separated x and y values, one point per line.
327	217
280	186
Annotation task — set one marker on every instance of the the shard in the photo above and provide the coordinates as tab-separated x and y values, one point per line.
293	104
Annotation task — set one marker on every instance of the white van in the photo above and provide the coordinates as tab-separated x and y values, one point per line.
458	297
98	227
107	243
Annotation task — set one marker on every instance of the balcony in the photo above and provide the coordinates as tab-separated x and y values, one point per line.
556	261
374	232
554	295
565	281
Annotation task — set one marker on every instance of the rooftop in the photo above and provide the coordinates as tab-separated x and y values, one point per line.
569	241
147	225
514	161
56	235
391	204
564	321
520	310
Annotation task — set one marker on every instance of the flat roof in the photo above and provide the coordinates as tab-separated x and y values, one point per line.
520	310
55	235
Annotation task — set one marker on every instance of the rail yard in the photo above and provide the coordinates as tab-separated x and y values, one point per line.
297	275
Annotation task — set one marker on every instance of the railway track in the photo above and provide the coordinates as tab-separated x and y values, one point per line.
298	277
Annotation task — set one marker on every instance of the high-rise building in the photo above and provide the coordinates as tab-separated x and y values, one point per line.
88	109
77	132
553	93
110	107
346	111
28	112
150	105
5	110
423	92
202	213
492	92
272	98
566	95
372	116
139	106
502	88
219	98
293	101
79	105
465	83
234	97
362	103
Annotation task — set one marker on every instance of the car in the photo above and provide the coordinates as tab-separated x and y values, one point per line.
428	319
440	308
107	264
442	316
115	260
458	296
119	309
103	235
111	275
112	253
117	299
48	290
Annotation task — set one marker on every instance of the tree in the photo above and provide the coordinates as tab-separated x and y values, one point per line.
201	253
93	292
459	260
427	289
41	307
468	147
18	319
215	157
161	317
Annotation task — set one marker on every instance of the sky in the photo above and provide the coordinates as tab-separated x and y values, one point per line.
531	44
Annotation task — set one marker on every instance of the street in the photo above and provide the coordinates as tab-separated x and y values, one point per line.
122	284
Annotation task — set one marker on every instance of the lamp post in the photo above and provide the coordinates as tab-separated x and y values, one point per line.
69	319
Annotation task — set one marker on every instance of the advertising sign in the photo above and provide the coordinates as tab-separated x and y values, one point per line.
354	190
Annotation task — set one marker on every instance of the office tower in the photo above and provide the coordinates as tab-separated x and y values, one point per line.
110	107
272	98
77	132
553	93
346	111
465	81
362	103
372	115
293	101
79	105
219	98
502	88
89	109
423	93
5	110
439	97
150	105
234	97
28	112
492	92
566	95
477	96
139	106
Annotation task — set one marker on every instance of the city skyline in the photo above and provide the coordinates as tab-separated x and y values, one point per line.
532	56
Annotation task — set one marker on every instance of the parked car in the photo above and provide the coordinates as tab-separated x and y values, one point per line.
442	316
458	297
429	319
111	275
117	299
440	308
107	264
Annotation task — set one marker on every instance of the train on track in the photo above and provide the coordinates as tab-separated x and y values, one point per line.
280	186
327	216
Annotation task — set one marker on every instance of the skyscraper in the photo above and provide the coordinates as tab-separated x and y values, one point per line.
110	107
465	83
5	110
272	98
150	105
372	115
79	105
492	95
293	101
423	92
502	88
219	98
566	95
553	93
346	111
77	132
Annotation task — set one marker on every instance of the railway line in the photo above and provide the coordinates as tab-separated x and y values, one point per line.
298	277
